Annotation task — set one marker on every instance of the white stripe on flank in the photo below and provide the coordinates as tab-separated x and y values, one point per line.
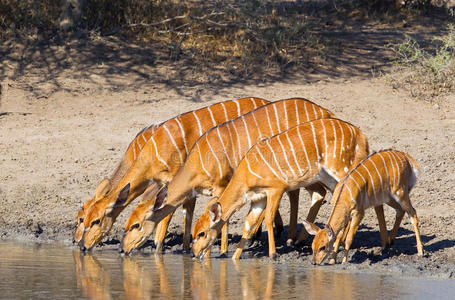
254	103
397	169
276	117
385	167
134	149
202	162
211	115
304	148
214	155
268	119
156	153
392	177
371	178
322	112
143	137
247	132
276	160
286	114
297	117
293	153
174	143
238	107
342	139
349	190
335	138
198	122
314	111
224	147
249	168
380	177
257	125
182	131
353	133
267	163
286	156
315	143
232	144
326	151
364	182
225	111
238	141
306	110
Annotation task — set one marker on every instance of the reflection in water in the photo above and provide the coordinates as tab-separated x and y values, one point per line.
57	272
93	279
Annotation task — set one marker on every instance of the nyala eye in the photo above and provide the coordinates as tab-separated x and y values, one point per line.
322	248
135	226
97	221
201	234
81	220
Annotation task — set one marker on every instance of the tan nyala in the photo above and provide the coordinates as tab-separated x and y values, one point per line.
127	161
385	177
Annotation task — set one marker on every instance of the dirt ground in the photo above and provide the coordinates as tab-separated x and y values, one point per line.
62	130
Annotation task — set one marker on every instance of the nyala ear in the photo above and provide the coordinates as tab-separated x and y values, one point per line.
310	227
122	196
215	213
160	197
102	189
330	233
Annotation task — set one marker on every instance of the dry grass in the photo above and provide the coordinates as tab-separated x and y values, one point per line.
425	74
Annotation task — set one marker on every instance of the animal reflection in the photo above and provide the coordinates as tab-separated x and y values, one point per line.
92	278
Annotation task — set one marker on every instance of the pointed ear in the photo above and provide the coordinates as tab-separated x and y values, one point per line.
102	189
310	227
122	196
330	233
215	213
160	197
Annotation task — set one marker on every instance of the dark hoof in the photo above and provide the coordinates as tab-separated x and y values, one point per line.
274	256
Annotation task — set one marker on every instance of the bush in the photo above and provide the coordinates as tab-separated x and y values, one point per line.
425	73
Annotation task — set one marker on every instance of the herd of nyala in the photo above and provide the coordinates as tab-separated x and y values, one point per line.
251	151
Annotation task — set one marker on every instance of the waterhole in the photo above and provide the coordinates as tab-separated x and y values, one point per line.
59	272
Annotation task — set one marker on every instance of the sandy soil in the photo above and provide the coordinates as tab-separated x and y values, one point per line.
62	134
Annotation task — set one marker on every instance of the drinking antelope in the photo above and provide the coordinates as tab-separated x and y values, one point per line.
131	153
320	151
213	159
158	161
385	177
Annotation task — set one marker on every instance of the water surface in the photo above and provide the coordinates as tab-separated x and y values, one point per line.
59	272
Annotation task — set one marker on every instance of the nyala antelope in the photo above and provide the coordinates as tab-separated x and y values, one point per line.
385	177
216	155
157	162
127	161
316	152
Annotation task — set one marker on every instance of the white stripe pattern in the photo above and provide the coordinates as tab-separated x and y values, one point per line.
156	153
174	143
183	134
211	115
202	162
214	155
198	122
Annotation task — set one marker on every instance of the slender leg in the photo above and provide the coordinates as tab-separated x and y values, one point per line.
160	233
317	192
341	237
273	201
407	206
356	218
382	225
292	229
188	208
278	224
398	218
224	239
255	217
